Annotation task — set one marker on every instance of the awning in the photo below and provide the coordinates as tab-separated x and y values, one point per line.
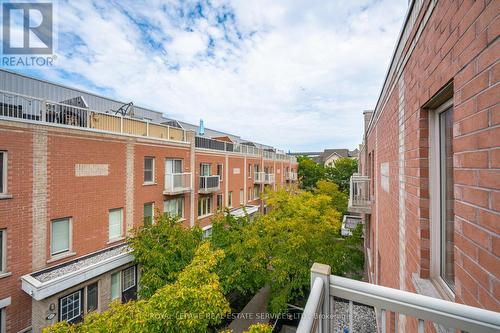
53	280
242	211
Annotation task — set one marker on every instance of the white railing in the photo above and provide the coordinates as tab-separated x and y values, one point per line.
269	178
359	194
292	176
349	223
318	315
32	109
177	183
259	177
209	184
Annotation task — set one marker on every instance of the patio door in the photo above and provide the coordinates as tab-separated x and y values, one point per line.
174	168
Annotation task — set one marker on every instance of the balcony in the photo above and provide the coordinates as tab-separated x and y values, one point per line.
269	178
17	107
291	176
177	183
359	195
209	184
321	309
258	177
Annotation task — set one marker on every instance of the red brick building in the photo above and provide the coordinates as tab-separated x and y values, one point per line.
76	176
429	188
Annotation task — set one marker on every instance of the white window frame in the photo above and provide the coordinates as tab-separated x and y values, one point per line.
152	211
249	170
206	206
221	201
435	201
70	235
80	301
242	197
5	172
221	176
123	287
3	236
230	199
207	231
121	225
202	166
179	199
153	166
119	296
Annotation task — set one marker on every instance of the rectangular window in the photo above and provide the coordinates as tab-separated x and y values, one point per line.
204	206
230	199
149	169
219	171
3	172
116	286
3	251
70	307
60	236
174	166
249	194
256	168
207	231
174	207
115	220
256	191
242	197
148	213
446	197
205	169
220	203
128	275
249	171
92	297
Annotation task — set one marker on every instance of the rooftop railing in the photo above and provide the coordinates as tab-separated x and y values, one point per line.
27	108
319	315
359	194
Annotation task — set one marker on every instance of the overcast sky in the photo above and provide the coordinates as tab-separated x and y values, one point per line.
293	74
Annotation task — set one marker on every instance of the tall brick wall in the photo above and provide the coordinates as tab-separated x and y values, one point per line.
455	41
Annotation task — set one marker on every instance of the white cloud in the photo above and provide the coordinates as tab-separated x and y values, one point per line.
293	74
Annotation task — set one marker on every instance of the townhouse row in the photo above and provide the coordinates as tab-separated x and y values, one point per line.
72	184
428	183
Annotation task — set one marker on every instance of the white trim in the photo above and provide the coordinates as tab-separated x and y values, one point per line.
3	267
41	290
5	302
111	240
80	305
69	251
435	201
123	278
152	181
5	190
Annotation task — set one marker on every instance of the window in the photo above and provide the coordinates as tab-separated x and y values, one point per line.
256	191
128	275
249	171
3	172
220	203
149	170
173	166
116	285
256	167
92	297
174	207
442	192
3	251
204	206
219	171
249	194
207	231
2	320
60	236
242	197
230	199
115	220
148	213
70	307
205	169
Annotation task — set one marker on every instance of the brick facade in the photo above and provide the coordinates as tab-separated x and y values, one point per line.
449	49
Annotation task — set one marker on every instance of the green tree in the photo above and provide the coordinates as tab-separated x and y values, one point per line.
331	189
341	172
193	303
163	250
309	172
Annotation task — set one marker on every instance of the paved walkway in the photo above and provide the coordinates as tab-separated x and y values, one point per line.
254	312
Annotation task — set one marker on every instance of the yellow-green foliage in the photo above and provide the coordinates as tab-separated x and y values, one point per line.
260	328
191	304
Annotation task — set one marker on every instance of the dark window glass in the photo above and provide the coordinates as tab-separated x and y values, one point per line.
447	198
92	297
148	169
148	214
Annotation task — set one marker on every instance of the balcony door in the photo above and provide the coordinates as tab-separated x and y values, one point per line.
174	168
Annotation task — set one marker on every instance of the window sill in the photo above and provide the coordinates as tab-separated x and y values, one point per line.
61	256
205	216
5	274
149	184
115	240
5	196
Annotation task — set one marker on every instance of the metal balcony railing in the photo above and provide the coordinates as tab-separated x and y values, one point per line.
291	176
269	178
359	194
31	109
209	184
176	183
258	177
318	315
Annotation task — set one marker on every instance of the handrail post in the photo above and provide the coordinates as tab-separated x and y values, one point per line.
323	271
